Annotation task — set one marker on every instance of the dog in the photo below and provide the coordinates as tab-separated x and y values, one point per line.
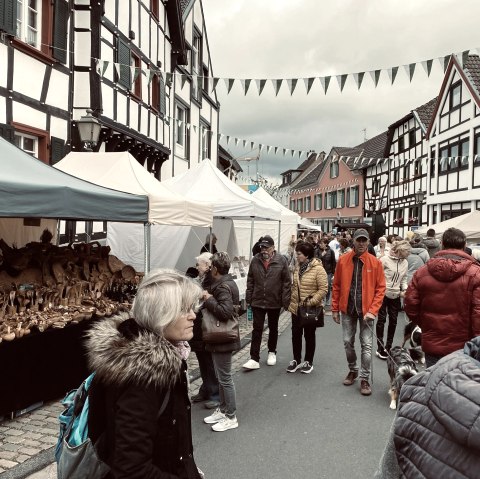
401	367
413	335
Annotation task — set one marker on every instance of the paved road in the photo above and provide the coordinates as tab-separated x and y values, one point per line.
298	425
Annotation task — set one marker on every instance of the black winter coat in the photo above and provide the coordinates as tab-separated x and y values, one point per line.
269	288
134	370
221	304
437	431
196	343
328	260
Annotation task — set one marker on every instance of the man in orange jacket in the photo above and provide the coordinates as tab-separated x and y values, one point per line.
358	291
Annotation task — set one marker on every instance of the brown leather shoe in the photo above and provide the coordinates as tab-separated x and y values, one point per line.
365	388
351	376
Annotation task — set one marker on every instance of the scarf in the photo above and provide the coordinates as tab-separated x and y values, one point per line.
304	267
183	349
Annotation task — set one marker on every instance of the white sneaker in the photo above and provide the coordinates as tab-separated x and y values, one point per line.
217	416
272	359
251	364
225	424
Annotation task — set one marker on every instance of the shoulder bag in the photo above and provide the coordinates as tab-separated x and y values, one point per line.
309	315
215	331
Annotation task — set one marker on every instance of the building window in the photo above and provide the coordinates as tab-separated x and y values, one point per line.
29	19
354	196
32	140
154	8
27	143
205	135
401	143
476	149
318	201
376	187
292	205
432	163
334	169
396	176
464	152
417	168
454	156
196	57
308	204
181	129
455	95
300	205
411	138
341	198
406	172
206	80
137	78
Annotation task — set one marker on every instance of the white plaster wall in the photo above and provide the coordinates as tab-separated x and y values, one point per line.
121	109
3	109
26	69
82	49
3	70
107	97
81	90
144	121
123	14
58	128
58	90
29	116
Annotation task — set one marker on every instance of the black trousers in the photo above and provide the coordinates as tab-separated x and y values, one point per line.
392	307
258	324
309	333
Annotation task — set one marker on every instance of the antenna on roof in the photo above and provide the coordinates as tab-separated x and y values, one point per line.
364	135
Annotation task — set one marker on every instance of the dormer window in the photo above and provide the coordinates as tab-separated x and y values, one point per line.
455	96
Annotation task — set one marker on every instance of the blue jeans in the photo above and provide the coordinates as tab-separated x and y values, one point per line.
223	369
349	328
209	387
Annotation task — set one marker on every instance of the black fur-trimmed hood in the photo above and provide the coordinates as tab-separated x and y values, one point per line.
121	352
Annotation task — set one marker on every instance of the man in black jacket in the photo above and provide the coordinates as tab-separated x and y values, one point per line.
268	290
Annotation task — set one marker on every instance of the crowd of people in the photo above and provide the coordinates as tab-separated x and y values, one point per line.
140	405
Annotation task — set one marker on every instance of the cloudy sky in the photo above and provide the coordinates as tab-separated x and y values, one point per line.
304	38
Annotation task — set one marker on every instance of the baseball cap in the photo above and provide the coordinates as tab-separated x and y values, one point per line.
360	233
266	241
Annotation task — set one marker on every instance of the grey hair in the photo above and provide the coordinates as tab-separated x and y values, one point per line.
204	258
222	262
162	297
401	245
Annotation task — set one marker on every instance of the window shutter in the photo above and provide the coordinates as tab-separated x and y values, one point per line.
57	150
8	16
7	132
123	59
163	98
60	32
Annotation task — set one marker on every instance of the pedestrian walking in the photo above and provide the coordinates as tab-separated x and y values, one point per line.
358	291
443	298
417	258
208	392
310	284
209	246
432	244
329	263
381	249
138	400
221	300
395	266
268	290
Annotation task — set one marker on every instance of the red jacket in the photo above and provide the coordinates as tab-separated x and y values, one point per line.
373	283
443	298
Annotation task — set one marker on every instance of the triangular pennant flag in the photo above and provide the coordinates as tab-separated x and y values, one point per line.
299	154
341	79
292	83
427	66
275	149
134	73
375	75
260	85
168	78
325	81
228	139
392	73
99	66
151	74
410	70
105	66
246	84
183	78
358	77
117	68
260	148
268	149
308	83
236	141
229	83
293	153
446	61
195	128
284	151
244	142
204	133
252	145
277	83
214	83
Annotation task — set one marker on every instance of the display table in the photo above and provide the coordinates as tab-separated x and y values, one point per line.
42	366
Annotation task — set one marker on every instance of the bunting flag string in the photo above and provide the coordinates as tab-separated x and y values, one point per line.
102	68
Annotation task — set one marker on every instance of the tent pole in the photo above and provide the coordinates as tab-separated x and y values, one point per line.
210	239
279	231
251	237
146	246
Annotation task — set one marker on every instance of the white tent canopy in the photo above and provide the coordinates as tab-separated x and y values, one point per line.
121	171
306	223
469	223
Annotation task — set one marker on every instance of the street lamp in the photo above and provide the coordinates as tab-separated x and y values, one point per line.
89	130
419	197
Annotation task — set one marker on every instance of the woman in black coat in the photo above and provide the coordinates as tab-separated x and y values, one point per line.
139	403
221	301
327	256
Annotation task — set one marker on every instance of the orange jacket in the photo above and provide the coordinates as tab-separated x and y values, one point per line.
373	283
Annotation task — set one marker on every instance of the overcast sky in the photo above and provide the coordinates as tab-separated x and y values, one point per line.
303	38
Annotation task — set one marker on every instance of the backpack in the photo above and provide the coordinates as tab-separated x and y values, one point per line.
75	453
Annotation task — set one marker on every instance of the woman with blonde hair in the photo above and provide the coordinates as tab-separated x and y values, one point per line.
310	284
139	404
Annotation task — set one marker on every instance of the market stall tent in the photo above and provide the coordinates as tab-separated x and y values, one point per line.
177	247
30	188
469	223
